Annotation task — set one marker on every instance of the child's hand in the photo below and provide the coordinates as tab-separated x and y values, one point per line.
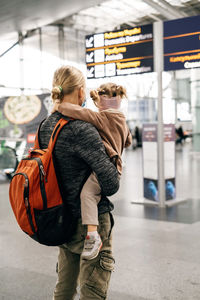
95	96
95	93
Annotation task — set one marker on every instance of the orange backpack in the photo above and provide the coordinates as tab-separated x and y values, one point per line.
35	196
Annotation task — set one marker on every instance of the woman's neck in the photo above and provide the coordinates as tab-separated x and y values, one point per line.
72	98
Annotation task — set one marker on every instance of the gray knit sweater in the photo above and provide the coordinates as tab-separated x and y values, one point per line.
78	151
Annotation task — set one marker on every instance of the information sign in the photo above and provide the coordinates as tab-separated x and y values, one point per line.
182	43
124	52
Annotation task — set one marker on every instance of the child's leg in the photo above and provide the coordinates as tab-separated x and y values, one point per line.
90	197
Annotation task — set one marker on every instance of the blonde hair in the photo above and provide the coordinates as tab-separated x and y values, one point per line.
66	79
109	89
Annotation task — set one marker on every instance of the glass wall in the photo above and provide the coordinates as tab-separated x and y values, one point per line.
30	66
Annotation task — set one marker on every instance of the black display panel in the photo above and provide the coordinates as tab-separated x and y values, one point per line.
182	43
124	52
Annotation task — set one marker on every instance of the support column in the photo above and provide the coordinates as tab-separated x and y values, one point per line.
176	119
195	108
158	67
21	63
61	46
41	57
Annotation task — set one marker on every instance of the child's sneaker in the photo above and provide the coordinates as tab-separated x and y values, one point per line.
92	246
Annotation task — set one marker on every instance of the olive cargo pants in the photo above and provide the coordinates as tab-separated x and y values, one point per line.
93	276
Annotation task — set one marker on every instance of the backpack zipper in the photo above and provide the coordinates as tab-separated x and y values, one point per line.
43	172
42	178
26	199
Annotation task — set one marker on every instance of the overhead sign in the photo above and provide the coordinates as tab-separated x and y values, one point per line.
124	52
182	43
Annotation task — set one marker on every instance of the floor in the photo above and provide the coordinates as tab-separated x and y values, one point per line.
156	250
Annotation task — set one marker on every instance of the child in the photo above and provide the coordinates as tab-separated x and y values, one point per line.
111	124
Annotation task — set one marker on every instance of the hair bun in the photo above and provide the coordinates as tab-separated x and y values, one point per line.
56	93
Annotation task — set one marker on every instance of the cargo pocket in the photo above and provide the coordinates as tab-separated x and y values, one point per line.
106	223
100	277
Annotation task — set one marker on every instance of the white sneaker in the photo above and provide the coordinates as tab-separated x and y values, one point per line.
92	246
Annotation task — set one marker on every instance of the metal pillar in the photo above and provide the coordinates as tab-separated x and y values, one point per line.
61	45
158	67
176	119
21	63
77	46
41	57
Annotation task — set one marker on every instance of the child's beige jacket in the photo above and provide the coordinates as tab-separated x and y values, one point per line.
111	125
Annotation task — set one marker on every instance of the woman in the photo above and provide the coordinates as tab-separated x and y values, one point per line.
79	151
111	125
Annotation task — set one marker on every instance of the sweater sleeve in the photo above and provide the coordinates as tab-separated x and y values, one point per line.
88	146
80	113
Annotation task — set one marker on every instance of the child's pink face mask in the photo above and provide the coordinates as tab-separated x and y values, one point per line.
106	102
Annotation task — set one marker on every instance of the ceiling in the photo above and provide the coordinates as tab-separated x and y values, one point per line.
23	15
90	15
115	14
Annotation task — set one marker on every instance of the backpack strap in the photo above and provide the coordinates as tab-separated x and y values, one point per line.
37	137
60	124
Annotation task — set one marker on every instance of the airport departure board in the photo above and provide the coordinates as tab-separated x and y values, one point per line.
182	43
124	52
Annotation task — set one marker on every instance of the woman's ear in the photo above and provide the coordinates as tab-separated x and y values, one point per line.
81	95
